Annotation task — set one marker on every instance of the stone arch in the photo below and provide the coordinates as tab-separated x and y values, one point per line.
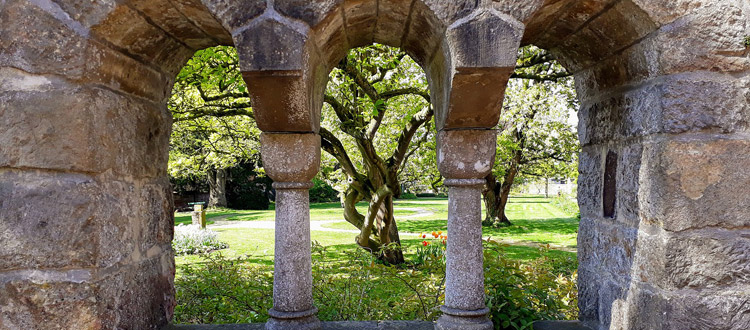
86	206
664	97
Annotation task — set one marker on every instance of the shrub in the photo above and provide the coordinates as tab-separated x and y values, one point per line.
221	290
322	192
192	239
354	285
425	194
407	196
567	204
518	294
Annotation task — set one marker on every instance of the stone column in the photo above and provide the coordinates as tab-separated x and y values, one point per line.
292	160
464	158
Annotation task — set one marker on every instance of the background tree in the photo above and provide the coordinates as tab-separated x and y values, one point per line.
537	138
213	125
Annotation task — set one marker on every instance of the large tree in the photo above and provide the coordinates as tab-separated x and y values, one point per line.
376	104
212	131
537	138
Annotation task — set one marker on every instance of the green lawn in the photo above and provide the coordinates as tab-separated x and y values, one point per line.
535	219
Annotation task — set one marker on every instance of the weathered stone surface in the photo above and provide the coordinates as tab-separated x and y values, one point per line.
310	12
235	14
485	40
291	157
197	13
590	181
424	33
74	220
282	101
87	299
169	18
392	20
466	154
270	45
697	182
53	125
361	17
473	101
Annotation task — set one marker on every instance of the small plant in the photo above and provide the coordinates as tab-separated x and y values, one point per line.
192	239
747	41
431	248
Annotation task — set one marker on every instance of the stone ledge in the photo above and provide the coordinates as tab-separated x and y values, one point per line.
559	325
343	325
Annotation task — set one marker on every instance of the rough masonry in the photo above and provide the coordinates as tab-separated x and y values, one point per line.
85	203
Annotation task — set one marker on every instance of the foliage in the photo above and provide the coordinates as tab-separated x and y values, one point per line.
747	41
354	285
518	294
192	239
567	204
247	189
426	195
407	196
222	290
322	192
202	141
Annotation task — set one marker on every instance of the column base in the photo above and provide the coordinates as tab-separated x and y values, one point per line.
305	320
458	319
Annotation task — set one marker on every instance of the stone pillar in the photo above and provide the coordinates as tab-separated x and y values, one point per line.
464	158
292	160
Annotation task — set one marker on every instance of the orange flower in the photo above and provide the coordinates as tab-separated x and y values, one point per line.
440	232
434	234
425	243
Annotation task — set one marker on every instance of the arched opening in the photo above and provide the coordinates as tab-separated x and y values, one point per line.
83	178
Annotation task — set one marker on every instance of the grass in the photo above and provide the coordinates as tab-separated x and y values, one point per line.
535	219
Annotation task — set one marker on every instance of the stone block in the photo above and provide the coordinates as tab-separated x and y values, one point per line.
58	220
270	45
311	12
449	12
285	101
423	33
361	17
54	125
696	182
590	182
167	16
628	184
573	15
234	14
708	38
129	30
330	37
642	309
485	40
137	296
202	17
474	100
588	295
290	157
697	311
58	51
392	18
707	260
466	154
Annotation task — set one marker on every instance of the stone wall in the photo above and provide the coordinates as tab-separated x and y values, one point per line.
665	92
85	204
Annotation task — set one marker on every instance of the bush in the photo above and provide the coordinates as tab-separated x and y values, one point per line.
192	239
322	192
567	204
246	189
221	290
354	285
407	196
425	195
518	294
